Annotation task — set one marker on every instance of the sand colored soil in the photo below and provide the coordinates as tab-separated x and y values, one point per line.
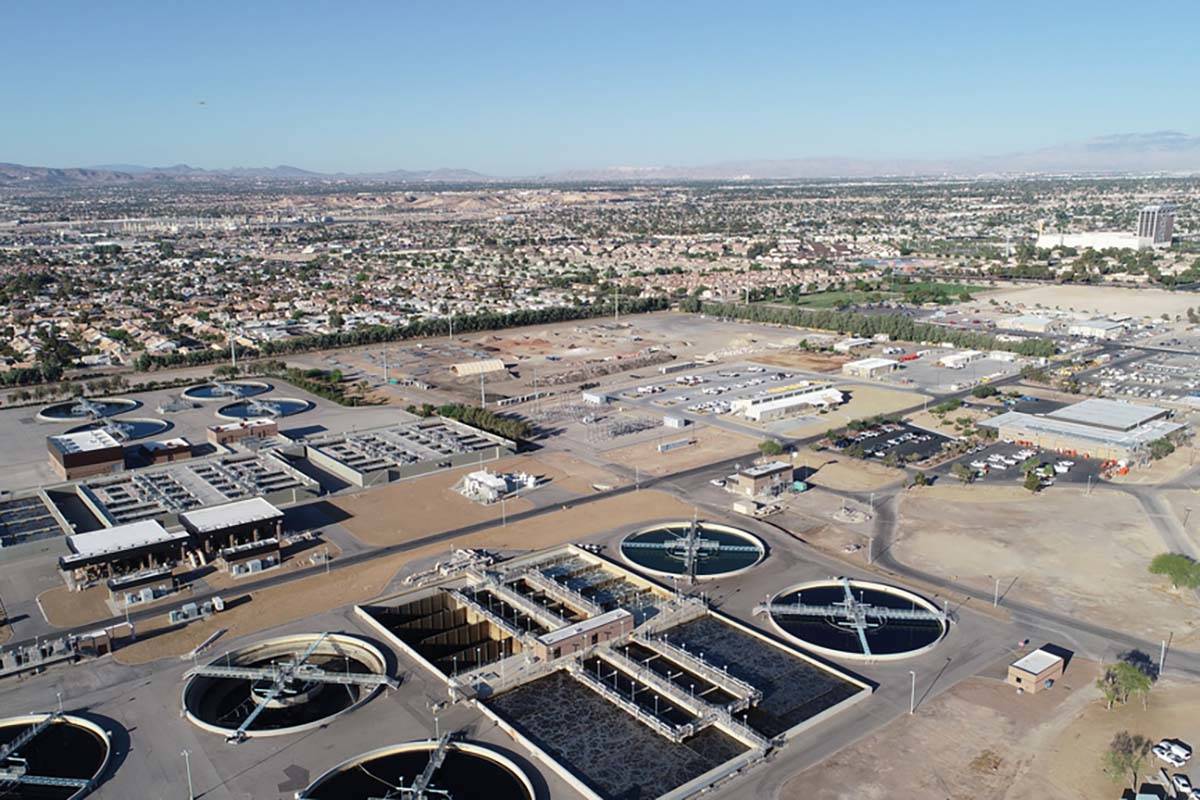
1086	557
945	423
319	593
66	609
843	473
429	504
1069	764
1164	470
971	742
711	444
296	557
1097	299
577	475
865	401
813	362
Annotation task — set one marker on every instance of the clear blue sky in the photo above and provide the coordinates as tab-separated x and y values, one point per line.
514	88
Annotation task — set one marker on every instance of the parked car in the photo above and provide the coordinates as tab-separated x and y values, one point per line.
1182	783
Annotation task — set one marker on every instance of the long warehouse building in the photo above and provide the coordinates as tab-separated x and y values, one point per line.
1096	427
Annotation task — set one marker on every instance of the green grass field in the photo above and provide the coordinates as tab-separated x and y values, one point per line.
897	292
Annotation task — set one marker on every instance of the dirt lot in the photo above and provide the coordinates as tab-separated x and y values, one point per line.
969	743
945	423
813	362
1162	471
712	444
319	593
427	505
842	473
1096	299
1086	557
577	475
865	401
1069	765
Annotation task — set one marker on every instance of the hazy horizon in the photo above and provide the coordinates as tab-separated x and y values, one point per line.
540	88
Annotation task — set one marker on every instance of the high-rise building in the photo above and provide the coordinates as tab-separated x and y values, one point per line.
1157	223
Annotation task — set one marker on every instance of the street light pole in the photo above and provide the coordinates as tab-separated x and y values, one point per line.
187	765
996	594
912	697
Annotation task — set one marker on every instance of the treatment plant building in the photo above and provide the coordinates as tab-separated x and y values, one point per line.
1096	427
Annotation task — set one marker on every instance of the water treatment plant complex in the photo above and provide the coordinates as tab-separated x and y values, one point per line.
278	597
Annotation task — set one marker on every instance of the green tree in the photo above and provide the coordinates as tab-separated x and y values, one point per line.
1161	448
1125	757
1122	681
770	447
1032	482
963	472
1182	570
920	479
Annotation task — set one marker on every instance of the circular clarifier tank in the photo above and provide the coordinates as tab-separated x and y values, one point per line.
703	549
469	772
70	751
226	390
858	619
86	408
127	428
254	407
283	685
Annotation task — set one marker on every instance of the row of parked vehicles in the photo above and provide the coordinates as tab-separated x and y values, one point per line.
1001	462
1176	753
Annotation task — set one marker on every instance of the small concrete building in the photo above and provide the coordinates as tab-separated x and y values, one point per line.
595	398
851	344
85	453
581	635
166	451
220	527
230	432
960	359
869	367
1036	671
764	480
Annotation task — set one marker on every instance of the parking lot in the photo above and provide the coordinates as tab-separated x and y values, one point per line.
1157	377
1001	462
906	442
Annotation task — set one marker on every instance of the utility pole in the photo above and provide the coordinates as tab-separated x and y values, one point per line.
232	349
187	765
1162	656
912	697
452	327
482	397
996	594
617	300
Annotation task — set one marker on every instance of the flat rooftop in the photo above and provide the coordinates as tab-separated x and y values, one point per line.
871	363
1112	414
84	441
1088	433
241	512
759	470
122	537
1037	662
589	624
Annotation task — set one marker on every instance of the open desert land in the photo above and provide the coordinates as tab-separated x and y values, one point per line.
1095	299
801	359
865	401
845	474
316	594
1068	764
945	424
429	504
1164	470
1087	558
969	743
711	444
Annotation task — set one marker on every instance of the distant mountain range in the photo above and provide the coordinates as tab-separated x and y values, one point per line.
1160	152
